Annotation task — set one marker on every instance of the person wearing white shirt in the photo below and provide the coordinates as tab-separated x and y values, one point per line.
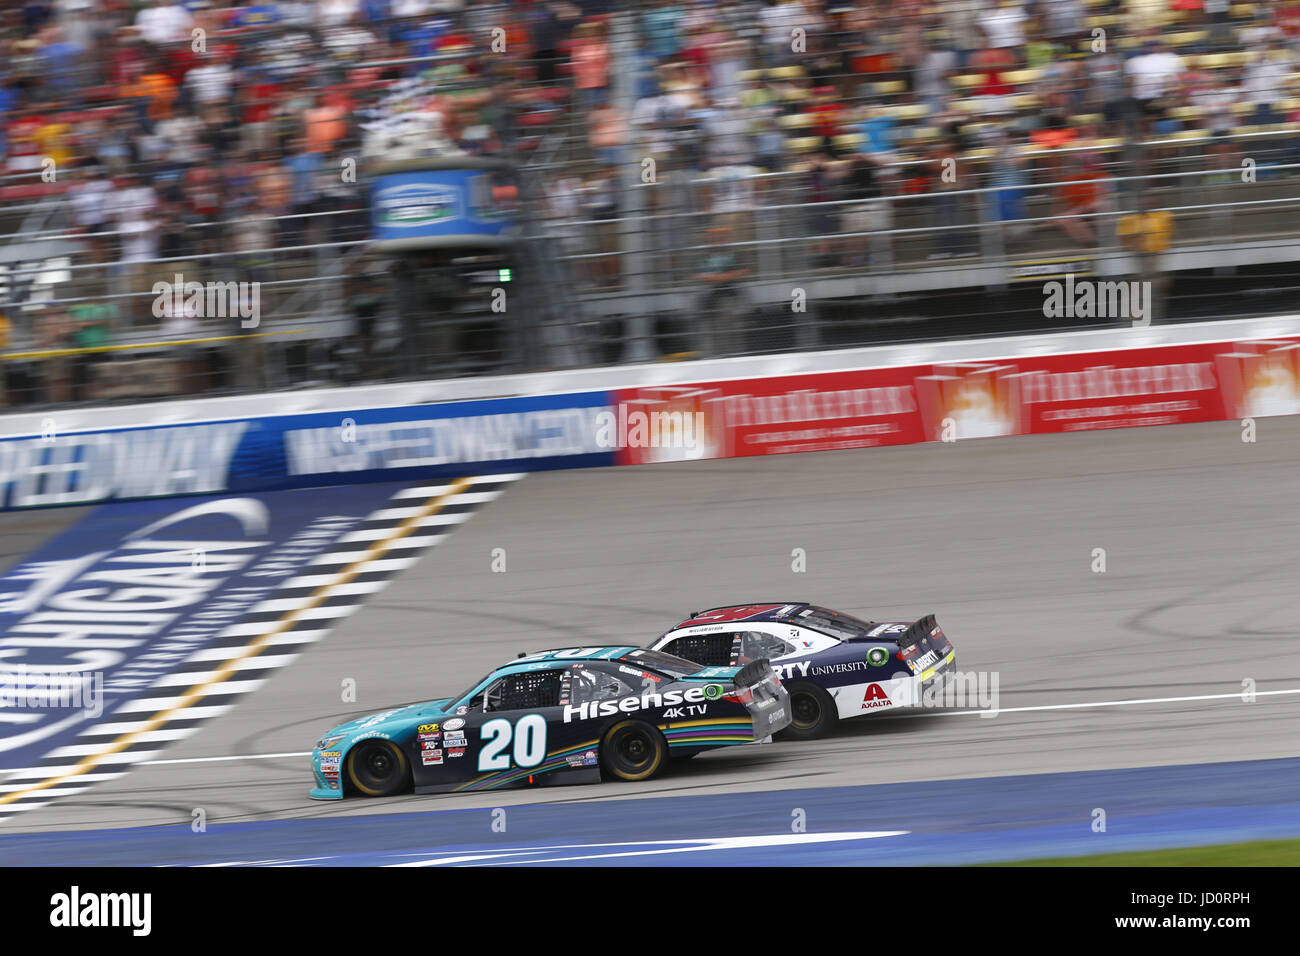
210	83
1152	75
1264	81
1004	24
164	22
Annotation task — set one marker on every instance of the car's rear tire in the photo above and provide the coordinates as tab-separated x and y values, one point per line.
633	750
812	713
378	768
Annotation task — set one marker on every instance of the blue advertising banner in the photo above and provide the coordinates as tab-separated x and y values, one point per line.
495	436
435	204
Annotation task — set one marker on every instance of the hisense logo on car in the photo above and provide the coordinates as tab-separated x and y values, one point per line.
416	204
628	705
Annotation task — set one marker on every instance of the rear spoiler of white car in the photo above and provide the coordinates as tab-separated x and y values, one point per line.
921	628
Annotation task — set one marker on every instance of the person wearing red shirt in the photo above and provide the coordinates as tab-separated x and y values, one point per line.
23	136
260	99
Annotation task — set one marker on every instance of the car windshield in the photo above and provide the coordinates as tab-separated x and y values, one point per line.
461	697
663	663
843	626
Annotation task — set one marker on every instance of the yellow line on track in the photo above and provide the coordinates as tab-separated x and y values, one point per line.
230	667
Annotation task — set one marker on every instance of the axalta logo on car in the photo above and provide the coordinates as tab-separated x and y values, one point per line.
875	697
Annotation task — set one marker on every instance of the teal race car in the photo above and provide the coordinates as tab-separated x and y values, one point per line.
576	715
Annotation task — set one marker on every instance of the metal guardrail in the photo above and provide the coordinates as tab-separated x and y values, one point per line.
312	333
664	269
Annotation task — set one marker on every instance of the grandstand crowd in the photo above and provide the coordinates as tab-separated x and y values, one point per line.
219	129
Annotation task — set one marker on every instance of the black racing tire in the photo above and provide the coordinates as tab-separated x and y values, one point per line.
812	713
378	768
633	750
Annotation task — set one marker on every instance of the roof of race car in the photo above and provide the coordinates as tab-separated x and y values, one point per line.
609	653
744	612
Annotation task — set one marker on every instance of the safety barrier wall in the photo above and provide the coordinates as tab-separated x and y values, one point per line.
951	401
728	408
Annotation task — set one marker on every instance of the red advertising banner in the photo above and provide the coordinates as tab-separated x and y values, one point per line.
770	416
1084	391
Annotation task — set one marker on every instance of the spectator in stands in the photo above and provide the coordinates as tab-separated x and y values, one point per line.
779	19
1148	234
731	186
1008	178
590	58
868	213
1264	82
601	204
821	192
54	333
1079	197
934	75
1003	23
1108	92
366	301
133	207
1153	76
90	200
163	21
720	325
91	327
61	64
211	81
1216	101
1064	22
608	135
546	29
947	184
304	168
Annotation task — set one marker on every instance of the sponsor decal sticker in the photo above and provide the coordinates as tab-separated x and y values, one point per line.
878	656
648	700
886	629
875	697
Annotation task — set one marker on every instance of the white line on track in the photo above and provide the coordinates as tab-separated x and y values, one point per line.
1239	695
934	713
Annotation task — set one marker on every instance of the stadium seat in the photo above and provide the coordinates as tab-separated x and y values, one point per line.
1020	77
803	144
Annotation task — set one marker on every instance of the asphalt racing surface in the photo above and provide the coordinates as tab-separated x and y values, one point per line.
1198	602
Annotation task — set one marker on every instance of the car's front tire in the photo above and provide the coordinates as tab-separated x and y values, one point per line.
812	713
378	768
633	750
